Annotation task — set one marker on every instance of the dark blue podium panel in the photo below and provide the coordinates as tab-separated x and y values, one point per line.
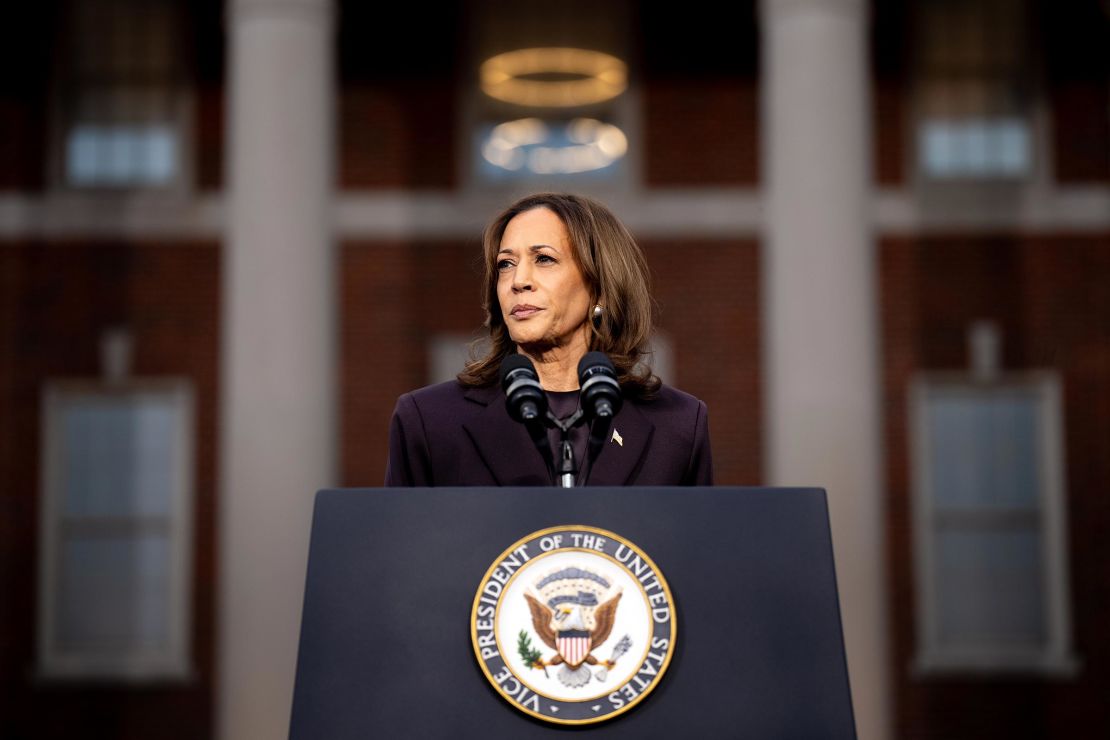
385	647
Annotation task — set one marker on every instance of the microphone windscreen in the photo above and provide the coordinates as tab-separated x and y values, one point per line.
593	359
515	362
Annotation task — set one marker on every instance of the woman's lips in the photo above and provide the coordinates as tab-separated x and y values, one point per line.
523	311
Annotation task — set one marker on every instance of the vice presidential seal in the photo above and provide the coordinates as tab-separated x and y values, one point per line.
573	624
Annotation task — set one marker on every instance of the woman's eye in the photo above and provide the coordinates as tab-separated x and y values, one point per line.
503	265
545	258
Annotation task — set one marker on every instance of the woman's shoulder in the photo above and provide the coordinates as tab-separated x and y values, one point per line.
671	399
674	412
444	399
438	392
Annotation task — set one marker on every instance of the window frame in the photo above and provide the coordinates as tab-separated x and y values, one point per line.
488	31
174	663
1009	192
64	86
931	656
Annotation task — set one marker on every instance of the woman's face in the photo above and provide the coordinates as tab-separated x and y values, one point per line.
544	299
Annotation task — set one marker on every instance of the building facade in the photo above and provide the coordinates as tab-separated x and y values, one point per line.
880	240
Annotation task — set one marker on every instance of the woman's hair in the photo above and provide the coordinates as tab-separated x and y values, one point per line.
616	276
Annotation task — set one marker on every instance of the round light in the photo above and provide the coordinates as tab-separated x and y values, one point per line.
530	143
595	77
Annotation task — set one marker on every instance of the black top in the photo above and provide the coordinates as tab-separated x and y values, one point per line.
563	404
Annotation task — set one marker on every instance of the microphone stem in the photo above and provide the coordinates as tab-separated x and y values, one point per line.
566	463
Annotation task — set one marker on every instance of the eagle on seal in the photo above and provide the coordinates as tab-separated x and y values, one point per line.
573	612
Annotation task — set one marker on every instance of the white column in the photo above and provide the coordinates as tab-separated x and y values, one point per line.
278	430
821	382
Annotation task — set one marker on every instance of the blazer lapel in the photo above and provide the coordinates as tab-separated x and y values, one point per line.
622	455
504	444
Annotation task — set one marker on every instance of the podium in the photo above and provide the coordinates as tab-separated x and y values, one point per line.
386	634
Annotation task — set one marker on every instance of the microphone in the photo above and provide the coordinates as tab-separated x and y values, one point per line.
524	396
601	393
527	403
599	398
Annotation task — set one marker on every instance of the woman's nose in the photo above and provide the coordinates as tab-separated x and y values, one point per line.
522	278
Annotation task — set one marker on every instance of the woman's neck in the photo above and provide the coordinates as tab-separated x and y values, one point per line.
557	367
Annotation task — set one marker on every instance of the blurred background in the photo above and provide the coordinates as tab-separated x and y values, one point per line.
231	234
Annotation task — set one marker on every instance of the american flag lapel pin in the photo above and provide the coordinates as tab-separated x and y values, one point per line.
617	438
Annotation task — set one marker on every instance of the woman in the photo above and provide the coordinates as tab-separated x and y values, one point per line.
562	277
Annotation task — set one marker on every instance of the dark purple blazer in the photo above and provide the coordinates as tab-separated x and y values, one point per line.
449	435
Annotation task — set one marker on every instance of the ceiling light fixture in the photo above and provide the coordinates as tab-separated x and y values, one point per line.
581	77
581	145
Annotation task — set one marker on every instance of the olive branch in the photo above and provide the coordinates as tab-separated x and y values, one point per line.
530	656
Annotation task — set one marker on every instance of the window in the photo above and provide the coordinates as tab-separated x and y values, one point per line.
989	528
116	530
973	91
121	98
550	105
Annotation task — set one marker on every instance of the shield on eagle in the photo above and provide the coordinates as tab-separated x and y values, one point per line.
574	646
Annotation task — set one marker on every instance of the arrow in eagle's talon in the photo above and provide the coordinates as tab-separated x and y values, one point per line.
619	649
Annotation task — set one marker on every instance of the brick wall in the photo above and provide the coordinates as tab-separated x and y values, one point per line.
25	53
1051	297
395	296
1077	78
397	135
890	52
709	306
700	133
205	21
55	299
